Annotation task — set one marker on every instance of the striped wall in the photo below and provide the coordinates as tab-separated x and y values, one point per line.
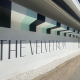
17	17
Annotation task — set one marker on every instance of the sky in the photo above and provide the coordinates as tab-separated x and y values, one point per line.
79	1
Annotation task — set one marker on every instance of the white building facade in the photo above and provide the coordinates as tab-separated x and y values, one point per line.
37	36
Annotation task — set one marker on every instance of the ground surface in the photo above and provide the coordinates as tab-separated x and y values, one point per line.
75	75
70	70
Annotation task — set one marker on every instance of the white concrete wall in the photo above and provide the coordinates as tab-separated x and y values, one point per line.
59	47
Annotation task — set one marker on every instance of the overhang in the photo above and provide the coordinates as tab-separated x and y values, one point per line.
74	5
